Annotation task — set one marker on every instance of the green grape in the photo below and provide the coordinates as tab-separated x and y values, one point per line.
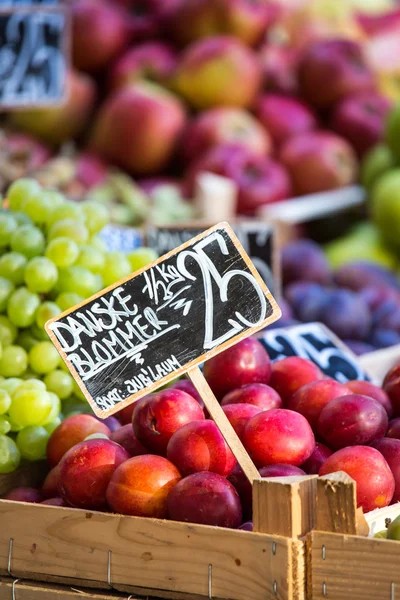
68	299
46	311
43	358
91	258
62	251
7	227
5	401
10	384
55	409
56	198
96	242
30	407
41	274
22	307
13	362
53	425
12	267
37	207
26	340
70	228
38	333
9	455
72	405
78	392
8	331
6	288
28	240
97	215
116	267
79	280
64	210
64	367
31	384
141	258
29	374
22	218
32	442
20	190
5	425
59	383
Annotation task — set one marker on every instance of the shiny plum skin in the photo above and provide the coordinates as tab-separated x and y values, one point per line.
290	374
310	399
257	394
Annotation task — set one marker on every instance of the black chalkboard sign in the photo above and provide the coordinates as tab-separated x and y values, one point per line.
317	343
257	238
146	330
33	55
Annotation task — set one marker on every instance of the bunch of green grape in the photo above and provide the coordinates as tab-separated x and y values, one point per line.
51	258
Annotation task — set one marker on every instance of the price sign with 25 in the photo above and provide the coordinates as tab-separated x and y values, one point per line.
33	55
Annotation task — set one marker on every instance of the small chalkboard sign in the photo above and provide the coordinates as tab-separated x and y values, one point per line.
148	329
317	343
33	54
257	238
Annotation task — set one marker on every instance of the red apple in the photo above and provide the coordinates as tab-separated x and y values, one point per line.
368	468
50	485
282	470
317	459
218	71
57	124
187	386
125	437
390	450
71	431
200	446
361	119
239	415
148	18
245	362
91	170
157	416
24	494
391	385
258	394
279	64
151	60
278	436
56	501
319	161
332	69
290	374
311	398
352	420
138	127
205	498
393	430
86	470
366	388
220	126
100	33
284	117
141	485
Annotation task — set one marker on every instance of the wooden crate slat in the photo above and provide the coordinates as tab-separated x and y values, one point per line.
68	545
345	567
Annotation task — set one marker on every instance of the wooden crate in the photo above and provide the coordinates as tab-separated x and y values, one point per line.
164	558
343	564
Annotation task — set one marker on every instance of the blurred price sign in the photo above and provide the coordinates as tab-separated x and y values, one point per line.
120	238
148	329
317	343
257	238
34	39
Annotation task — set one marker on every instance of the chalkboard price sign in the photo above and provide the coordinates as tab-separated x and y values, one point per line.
148	329
317	343
33	55
257	238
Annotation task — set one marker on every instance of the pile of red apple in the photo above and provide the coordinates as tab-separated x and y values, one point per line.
169	88
164	458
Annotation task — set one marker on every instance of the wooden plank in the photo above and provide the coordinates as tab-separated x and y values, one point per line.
342	567
28	475
223	424
336	504
284	505
73	546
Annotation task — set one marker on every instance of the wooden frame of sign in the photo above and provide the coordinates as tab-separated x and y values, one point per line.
253	309
36	9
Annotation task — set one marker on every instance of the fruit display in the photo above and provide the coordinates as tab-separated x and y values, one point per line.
282	98
163	457
51	258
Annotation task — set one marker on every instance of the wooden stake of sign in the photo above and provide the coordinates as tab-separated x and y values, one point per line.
170	317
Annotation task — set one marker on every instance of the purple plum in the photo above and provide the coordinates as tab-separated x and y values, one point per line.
358	275
384	338
304	260
358	347
307	300
347	314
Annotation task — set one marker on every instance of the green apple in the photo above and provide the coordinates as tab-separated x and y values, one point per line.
375	164
386	206
393	132
393	531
